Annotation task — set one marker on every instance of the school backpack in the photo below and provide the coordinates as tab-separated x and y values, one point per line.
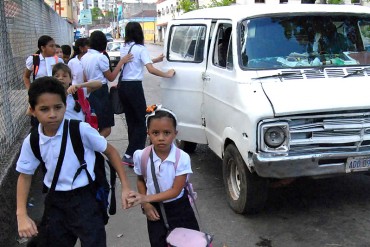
90	117
143	166
105	174
36	63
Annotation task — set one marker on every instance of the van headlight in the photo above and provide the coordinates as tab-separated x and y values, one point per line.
274	137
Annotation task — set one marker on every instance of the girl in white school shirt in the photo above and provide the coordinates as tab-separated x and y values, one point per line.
47	49
79	49
131	90
96	67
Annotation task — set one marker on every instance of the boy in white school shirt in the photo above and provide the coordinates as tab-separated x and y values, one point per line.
72	209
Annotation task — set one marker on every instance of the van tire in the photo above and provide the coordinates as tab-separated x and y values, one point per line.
246	192
188	147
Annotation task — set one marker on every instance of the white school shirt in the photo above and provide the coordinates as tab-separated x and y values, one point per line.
165	170
50	149
45	67
134	70
70	112
95	64
77	71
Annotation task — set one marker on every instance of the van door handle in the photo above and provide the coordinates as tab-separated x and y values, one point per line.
205	77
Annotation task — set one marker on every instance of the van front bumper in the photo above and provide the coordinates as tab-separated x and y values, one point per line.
290	166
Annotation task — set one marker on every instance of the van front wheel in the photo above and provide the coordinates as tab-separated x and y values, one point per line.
246	192
188	147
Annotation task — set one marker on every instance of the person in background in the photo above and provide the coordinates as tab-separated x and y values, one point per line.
45	58
130	87
79	49
96	67
73	109
66	53
58	51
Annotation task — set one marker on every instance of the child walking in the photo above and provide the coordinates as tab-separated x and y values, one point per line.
161	129
96	67
73	211
130	87
73	109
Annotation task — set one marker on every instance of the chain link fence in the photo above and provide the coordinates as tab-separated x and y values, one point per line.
22	22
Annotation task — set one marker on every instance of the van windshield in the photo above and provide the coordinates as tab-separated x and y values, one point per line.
305	41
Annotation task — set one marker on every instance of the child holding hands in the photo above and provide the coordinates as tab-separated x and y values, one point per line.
72	211
161	129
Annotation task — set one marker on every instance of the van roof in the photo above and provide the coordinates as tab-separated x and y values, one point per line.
242	11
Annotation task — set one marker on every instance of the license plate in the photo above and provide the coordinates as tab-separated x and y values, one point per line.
357	164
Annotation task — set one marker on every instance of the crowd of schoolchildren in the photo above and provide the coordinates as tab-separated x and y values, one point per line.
68	87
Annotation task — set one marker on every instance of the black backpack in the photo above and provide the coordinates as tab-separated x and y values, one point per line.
105	174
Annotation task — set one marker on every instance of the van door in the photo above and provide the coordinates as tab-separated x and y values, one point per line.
219	86
186	48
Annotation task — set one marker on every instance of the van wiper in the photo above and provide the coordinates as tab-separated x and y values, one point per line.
279	75
356	72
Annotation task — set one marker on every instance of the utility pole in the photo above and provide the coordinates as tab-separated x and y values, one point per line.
86	6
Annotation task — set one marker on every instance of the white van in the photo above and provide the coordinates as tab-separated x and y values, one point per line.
286	95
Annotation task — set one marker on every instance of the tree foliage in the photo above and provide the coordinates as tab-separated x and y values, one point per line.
187	5
190	5
219	3
96	13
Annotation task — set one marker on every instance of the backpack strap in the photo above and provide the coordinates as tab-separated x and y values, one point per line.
35	146
123	67
78	148
35	143
36	64
145	158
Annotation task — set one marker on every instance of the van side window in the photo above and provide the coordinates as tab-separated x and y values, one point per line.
187	43
221	45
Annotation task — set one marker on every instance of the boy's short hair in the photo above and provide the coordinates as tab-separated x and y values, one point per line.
66	49
46	84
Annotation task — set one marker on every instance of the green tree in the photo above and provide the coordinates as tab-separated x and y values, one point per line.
96	14
188	5
219	3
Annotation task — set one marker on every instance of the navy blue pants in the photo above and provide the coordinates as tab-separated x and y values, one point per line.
71	215
179	214
132	97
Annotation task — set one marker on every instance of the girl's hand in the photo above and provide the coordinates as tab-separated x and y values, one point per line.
72	89
26	226
127	58
159	58
170	73
151	212
136	198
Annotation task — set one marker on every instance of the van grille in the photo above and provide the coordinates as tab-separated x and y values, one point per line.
330	134
326	73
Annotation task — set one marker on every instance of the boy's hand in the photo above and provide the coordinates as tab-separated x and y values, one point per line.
151	212
26	227
127	58
125	199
